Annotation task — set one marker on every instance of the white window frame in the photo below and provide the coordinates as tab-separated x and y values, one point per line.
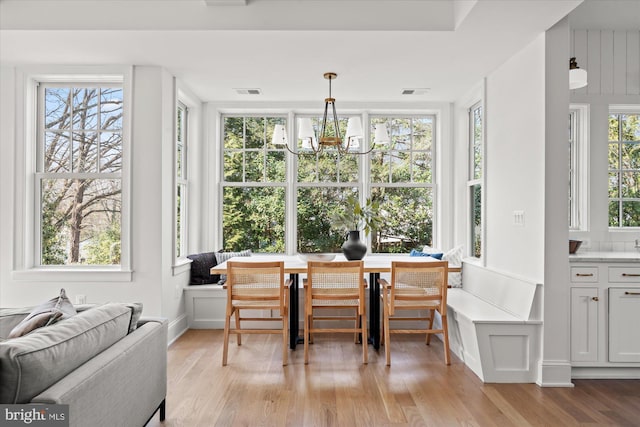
26	256
473	182
182	183
619	109
291	234
261	184
368	185
579	167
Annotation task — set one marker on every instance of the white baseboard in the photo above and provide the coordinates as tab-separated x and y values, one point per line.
177	327
555	374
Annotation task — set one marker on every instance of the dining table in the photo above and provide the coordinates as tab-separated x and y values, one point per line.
295	265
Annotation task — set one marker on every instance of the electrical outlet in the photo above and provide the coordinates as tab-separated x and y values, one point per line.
586	243
81	299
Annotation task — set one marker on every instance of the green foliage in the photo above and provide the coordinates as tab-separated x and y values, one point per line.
356	216
624	170
104	248
53	251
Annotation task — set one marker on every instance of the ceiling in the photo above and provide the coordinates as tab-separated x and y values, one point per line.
283	47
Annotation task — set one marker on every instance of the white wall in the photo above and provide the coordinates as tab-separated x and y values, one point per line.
515	169
152	190
555	369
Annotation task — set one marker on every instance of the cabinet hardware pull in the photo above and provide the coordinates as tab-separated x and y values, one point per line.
595	299
630	275
632	293
585	274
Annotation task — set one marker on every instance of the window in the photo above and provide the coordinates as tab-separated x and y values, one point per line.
78	180
325	180
180	166
254	184
624	168
402	180
476	136
274	201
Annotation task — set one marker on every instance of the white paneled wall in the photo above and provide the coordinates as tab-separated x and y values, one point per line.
611	58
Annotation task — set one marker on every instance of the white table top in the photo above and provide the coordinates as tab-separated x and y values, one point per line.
294	264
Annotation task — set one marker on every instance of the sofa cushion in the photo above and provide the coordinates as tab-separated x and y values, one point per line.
45	314
32	363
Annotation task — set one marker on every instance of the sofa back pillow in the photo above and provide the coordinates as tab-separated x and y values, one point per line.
32	363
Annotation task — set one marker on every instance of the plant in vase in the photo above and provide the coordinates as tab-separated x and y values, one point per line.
354	218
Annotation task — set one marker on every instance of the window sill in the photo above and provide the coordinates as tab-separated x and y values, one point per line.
181	265
72	275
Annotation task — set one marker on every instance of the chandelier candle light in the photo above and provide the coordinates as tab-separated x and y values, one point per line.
329	132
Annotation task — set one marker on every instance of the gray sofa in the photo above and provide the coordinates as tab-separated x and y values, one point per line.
109	371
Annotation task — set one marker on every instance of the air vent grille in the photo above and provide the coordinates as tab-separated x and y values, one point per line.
245	91
415	91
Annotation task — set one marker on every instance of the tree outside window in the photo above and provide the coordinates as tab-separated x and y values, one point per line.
474	183
624	169
78	177
253	185
402	182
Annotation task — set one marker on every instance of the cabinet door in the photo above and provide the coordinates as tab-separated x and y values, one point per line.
584	324
624	324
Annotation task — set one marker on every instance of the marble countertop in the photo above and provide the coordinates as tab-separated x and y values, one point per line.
605	257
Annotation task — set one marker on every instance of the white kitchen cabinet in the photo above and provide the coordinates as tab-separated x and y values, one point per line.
624	324
585	304
605	318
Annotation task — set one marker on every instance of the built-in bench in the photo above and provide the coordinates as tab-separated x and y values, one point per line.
205	306
494	324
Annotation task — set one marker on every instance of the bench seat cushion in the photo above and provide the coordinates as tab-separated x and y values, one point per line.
32	363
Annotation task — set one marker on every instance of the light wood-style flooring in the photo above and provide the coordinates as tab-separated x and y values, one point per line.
335	389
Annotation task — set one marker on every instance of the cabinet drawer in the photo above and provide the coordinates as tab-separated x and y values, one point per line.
624	274
584	274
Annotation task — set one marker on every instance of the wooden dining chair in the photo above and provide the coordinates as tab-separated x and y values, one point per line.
420	286
256	286
333	286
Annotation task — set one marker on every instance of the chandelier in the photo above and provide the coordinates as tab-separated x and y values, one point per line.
329	135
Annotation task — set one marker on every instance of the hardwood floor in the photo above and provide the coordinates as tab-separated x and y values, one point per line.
335	389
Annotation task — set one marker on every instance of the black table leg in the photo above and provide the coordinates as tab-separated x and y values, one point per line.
293	312
374	310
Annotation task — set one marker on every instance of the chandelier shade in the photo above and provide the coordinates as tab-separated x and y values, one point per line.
329	136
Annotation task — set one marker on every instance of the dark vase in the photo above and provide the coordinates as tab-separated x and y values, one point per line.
354	249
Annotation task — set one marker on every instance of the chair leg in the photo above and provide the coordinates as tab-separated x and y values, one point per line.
433	313
445	334
365	343
225	348
356	326
307	326
239	337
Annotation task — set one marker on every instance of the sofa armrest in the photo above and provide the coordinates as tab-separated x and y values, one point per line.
123	385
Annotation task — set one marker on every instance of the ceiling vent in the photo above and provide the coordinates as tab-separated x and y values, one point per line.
244	91
415	91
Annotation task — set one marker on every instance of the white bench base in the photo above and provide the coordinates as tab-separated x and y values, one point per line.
205	306
496	344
